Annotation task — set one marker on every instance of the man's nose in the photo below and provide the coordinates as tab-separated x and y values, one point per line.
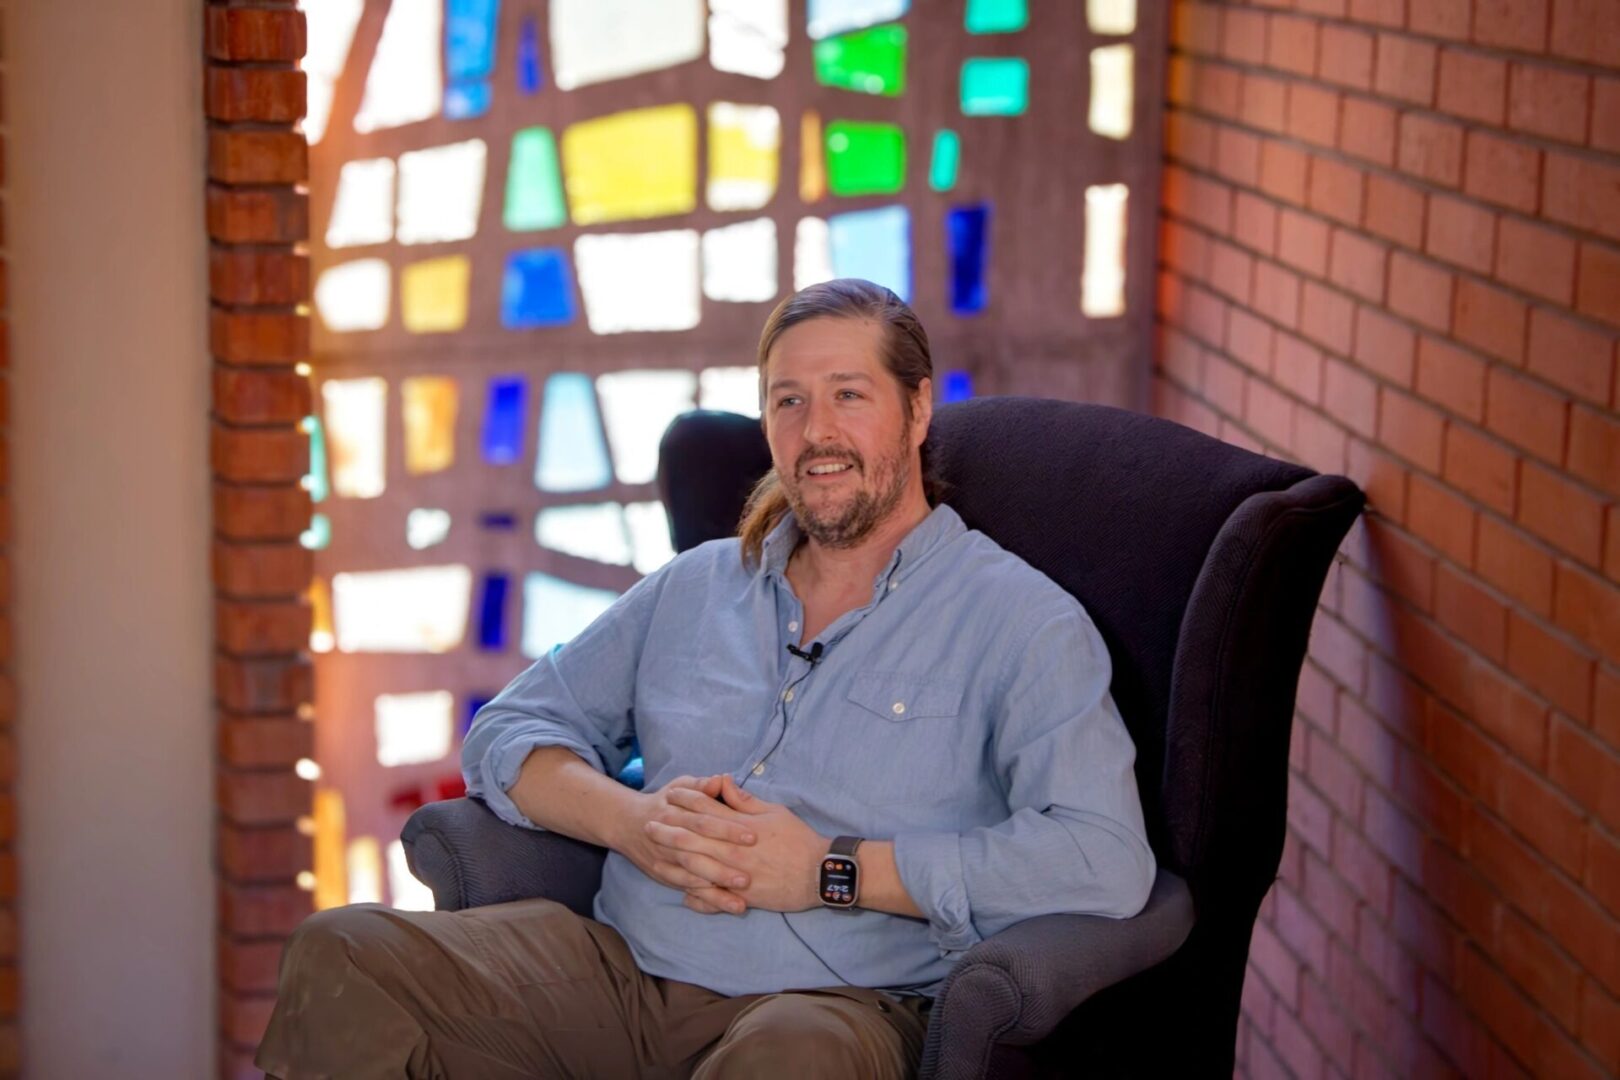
820	425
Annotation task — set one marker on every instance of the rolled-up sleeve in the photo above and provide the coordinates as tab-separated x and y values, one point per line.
1075	841
581	695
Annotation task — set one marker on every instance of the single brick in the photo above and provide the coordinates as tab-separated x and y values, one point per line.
262	628
259	455
257	215
258	157
1511	24
251	337
1405	69
1599	293
257	571
263	686
242	512
1473	86
256	34
254	95
1431	148
261	396
1503	171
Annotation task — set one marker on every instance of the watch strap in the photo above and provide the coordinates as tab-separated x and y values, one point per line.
845	845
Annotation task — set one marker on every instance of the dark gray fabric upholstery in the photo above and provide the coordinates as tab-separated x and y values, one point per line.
1201	565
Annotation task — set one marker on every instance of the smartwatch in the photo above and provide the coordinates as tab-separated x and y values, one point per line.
841	874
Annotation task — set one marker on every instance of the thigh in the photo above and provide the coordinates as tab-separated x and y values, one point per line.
522	989
821	1033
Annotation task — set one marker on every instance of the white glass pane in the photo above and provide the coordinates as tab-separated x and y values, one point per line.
739	261
747	37
365	870
554	611
426	526
1111	16
404	891
649	533
733	389
356	418
330	28
363	211
1112	90
644	281
413	728
440	192
406	81
812	253
1102	283
596	40
420	610
592	531
637	407
744	143
836	16
354	295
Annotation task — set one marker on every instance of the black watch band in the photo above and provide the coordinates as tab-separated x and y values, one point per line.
845	845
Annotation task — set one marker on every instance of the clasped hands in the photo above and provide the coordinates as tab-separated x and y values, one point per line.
727	849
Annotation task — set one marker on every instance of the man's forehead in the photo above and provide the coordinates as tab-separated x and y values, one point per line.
831	376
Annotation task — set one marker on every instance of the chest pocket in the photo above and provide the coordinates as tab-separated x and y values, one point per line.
901	741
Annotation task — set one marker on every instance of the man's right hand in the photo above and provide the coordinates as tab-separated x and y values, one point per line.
671	866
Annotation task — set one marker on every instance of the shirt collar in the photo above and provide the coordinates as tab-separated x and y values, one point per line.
940	527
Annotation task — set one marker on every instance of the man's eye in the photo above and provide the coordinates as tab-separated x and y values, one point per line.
851	393
786	401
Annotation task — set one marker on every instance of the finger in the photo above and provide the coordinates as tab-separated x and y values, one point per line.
710	825
710	786
703	804
678	877
739	799
699	905
698	854
720	899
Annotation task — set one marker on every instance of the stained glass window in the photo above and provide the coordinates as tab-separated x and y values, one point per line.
354	295
492	613
356	419
967	238
996	16
1102	291
947	160
748	37
1112	86
639	281
554	610
995	86
593	531
573	453
425	527
875	245
504	419
423	609
538	289
641	163
739	261
469	56
405	83
743	145
331	25
871	61
364	210
836	16
1111	16
638	406
440	192
596	40
412	729
433	294
534	190
865	158
429	404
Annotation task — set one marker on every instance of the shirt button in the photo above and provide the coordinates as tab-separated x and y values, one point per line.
899	708
759	768
793	628
788	696
893	585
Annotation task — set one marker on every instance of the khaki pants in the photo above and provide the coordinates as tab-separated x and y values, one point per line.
529	989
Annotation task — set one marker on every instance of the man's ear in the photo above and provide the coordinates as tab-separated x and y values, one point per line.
922	410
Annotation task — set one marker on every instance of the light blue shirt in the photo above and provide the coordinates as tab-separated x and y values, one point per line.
963	712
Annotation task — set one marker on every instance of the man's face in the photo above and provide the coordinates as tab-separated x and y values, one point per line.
836	422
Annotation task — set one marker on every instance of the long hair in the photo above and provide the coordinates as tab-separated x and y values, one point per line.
905	356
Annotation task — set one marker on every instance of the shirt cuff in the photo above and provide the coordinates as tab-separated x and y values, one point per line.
930	867
503	763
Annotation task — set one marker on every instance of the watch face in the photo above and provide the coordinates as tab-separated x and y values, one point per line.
838	881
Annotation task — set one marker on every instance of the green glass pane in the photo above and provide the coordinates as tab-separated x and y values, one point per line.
534	195
995	86
316	482
865	159
947	156
997	16
868	61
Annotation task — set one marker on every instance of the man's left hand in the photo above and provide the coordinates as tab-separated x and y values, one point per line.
782	865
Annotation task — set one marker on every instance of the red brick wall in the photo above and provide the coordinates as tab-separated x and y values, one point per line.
258	220
1391	249
10	1049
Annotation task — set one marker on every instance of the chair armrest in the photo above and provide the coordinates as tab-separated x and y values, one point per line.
1018	985
470	858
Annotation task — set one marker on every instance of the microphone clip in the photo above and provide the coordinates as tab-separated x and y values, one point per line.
813	655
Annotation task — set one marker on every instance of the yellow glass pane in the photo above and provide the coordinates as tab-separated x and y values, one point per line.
433	294
743	145
331	869
812	169
636	164
321	637
430	423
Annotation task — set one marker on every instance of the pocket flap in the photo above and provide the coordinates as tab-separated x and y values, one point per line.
899	697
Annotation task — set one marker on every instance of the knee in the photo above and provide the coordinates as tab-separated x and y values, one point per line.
331	944
793	1042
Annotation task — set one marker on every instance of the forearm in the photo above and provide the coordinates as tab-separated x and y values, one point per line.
559	791
881	887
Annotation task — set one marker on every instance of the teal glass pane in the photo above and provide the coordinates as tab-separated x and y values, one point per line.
316	481
573	452
555	611
995	86
947	159
867	61
534	191
865	159
319	533
997	16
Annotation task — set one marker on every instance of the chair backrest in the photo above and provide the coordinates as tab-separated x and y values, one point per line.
1124	511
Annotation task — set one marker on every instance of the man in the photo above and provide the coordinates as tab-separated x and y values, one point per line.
858	702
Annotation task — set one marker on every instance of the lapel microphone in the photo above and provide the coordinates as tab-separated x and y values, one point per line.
814	655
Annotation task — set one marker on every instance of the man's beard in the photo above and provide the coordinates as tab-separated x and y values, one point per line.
848	525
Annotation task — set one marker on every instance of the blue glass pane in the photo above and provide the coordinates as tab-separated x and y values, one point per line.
492	613
573	453
958	386
875	245
469	38
497	520
466	101
503	420
538	290
528	58
967	238
836	16
474	703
